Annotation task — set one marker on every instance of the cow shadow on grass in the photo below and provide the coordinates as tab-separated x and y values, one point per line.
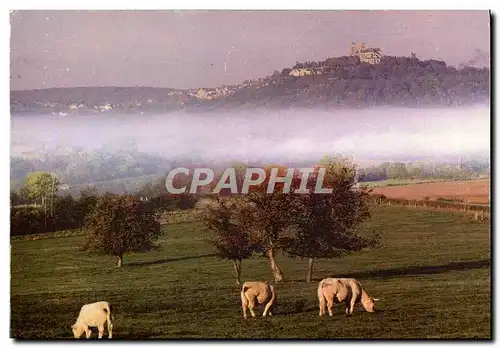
162	261
415	270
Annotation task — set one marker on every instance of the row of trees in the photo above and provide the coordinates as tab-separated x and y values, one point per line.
422	170
309	226
38	208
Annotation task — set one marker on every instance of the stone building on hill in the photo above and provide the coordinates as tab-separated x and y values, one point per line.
365	54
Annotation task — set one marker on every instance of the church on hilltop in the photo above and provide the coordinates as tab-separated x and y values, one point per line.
365	54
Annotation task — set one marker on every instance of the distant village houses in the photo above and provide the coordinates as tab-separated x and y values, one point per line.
300	72
214	93
365	54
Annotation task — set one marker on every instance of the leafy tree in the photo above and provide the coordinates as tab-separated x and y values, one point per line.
84	206
121	224
266	216
325	223
66	213
42	186
230	241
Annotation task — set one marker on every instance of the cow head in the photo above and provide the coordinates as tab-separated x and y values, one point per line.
369	304
77	330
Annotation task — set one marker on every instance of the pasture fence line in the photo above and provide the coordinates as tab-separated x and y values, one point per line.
480	212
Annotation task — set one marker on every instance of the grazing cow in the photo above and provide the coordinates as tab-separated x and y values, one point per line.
93	315
257	293
343	289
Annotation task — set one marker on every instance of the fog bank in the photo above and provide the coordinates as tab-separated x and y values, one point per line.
287	135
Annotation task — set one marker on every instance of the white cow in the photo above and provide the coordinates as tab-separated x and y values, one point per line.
338	290
257	293
93	315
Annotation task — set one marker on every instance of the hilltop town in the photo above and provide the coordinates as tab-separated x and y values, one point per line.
364	77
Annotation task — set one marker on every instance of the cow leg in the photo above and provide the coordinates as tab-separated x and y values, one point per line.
267	309
244	304
101	330
330	307
250	306
245	311
322	304
110	329
353	302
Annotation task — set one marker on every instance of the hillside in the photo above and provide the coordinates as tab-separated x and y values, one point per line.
335	82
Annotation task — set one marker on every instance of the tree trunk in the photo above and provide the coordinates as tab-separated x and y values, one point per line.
277	273
44	211
310	270
119	260
237	270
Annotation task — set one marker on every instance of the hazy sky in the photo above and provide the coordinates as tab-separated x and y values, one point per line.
203	49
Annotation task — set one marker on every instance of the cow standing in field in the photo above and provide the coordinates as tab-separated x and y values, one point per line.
331	290
257	293
93	315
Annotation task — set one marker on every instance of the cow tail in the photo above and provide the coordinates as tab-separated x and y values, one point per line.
321	297
109	313
272	302
273	294
244	299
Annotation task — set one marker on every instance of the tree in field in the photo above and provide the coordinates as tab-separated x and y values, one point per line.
266	216
325	223
42	186
121	224
230	241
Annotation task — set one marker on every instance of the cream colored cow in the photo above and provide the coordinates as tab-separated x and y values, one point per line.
257	293
93	315
340	290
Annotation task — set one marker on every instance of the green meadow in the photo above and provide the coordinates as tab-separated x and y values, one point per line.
432	275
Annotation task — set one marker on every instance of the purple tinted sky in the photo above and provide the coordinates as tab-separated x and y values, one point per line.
202	49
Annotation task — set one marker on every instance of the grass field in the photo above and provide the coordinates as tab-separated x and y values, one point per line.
470	191
432	276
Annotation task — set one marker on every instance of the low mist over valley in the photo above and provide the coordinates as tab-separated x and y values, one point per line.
83	149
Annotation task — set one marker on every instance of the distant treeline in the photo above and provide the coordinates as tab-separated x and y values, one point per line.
70	213
129	172
421	170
